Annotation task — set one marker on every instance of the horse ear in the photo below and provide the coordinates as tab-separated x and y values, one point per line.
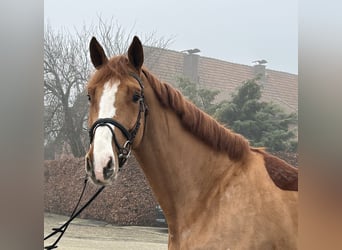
136	53
97	54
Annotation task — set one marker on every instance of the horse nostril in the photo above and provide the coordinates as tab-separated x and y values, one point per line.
109	169
88	165
110	163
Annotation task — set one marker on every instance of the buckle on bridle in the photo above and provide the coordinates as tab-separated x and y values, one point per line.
124	153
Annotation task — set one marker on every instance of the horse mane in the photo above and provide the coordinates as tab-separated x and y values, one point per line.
219	137
198	122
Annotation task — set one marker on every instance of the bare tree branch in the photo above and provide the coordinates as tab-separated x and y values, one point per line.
67	68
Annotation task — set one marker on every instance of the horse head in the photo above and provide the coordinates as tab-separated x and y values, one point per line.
116	110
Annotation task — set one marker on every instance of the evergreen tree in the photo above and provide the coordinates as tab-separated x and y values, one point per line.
265	124
201	97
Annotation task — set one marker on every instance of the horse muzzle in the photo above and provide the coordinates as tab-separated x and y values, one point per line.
101	172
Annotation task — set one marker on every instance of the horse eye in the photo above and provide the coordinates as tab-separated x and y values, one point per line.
136	97
89	98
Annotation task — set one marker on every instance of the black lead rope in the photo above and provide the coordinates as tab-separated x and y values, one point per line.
73	215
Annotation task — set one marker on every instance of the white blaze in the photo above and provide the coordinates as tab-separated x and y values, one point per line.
103	149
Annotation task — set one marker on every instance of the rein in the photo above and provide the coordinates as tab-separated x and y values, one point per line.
124	152
73	215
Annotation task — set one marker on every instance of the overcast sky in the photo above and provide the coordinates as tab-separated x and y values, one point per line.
238	31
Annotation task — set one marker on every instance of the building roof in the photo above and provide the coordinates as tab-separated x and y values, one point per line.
278	87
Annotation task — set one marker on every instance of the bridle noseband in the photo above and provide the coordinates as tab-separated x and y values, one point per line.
124	150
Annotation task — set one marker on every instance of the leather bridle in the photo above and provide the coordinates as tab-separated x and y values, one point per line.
125	149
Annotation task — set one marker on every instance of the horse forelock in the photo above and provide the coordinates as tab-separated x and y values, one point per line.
116	67
198	122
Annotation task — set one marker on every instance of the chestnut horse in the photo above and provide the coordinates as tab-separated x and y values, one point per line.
216	191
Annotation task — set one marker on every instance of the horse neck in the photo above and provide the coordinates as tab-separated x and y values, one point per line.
179	167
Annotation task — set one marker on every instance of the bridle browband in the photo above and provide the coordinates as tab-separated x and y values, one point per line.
124	150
